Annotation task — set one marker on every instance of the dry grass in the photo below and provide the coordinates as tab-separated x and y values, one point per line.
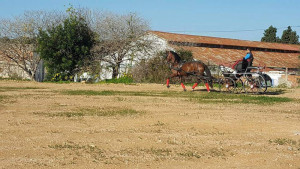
145	126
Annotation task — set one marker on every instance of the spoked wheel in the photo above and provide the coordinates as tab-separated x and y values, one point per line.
226	85
263	84
239	86
255	85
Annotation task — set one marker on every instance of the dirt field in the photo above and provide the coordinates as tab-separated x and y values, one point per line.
44	125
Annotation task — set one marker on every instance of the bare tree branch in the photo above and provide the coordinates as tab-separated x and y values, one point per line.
18	37
120	38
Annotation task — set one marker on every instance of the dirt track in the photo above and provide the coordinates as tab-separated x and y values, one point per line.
42	127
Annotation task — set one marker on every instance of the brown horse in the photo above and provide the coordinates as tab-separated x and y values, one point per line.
181	70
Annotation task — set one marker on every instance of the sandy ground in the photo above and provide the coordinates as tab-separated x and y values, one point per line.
167	132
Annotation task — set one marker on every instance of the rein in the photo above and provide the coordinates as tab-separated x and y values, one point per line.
177	68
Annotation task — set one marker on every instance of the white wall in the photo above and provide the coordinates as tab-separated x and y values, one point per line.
8	70
275	76
157	45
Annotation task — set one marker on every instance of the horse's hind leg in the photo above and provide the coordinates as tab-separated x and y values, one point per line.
181	79
196	84
207	87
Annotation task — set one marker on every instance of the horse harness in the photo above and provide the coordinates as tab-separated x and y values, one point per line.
178	69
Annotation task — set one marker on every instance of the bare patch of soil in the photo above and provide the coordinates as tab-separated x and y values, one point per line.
42	127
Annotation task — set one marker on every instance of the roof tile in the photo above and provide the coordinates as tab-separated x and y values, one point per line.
227	56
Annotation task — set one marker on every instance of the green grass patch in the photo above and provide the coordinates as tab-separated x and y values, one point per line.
124	79
90	92
94	112
95	152
6	88
159	123
15	78
294	145
2	98
118	112
284	141
203	97
111	93
189	154
158	151
59	82
238	99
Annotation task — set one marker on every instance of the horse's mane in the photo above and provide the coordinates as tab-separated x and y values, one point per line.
176	56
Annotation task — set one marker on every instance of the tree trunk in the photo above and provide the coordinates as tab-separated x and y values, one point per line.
115	72
31	75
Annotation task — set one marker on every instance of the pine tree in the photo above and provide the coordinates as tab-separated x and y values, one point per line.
270	35
294	38
289	36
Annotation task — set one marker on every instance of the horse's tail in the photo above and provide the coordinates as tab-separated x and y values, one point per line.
208	74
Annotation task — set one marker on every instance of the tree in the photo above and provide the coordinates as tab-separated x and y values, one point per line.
289	36
152	70
156	69
65	47
185	55
120	39
270	35
18	38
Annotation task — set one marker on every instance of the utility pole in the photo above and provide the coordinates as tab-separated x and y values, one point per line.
286	75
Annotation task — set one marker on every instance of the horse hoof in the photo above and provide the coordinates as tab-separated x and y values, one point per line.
184	90
168	86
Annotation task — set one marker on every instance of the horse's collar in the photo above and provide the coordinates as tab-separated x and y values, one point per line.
176	66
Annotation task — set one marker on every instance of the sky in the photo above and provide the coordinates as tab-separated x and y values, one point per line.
235	19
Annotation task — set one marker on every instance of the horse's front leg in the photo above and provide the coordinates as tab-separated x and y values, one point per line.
168	82
174	74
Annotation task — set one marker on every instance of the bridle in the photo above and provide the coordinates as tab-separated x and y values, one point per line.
172	64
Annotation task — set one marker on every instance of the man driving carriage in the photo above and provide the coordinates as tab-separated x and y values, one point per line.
241	65
248	59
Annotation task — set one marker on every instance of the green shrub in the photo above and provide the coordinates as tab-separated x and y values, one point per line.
157	70
125	78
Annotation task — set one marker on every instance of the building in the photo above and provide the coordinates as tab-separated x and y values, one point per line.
280	60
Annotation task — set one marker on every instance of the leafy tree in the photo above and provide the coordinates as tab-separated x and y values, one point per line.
156	69
270	35
185	55
152	70
64	48
290	36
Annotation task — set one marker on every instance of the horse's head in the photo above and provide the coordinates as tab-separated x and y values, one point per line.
172	57
169	57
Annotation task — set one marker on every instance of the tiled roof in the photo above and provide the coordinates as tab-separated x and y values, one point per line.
226	56
224	41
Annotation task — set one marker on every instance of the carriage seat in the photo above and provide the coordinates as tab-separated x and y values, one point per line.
243	65
238	66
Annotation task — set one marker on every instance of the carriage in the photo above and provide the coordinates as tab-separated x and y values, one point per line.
235	79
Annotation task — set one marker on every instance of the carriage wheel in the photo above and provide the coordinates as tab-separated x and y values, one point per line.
250	86
263	84
239	86
255	85
226	85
